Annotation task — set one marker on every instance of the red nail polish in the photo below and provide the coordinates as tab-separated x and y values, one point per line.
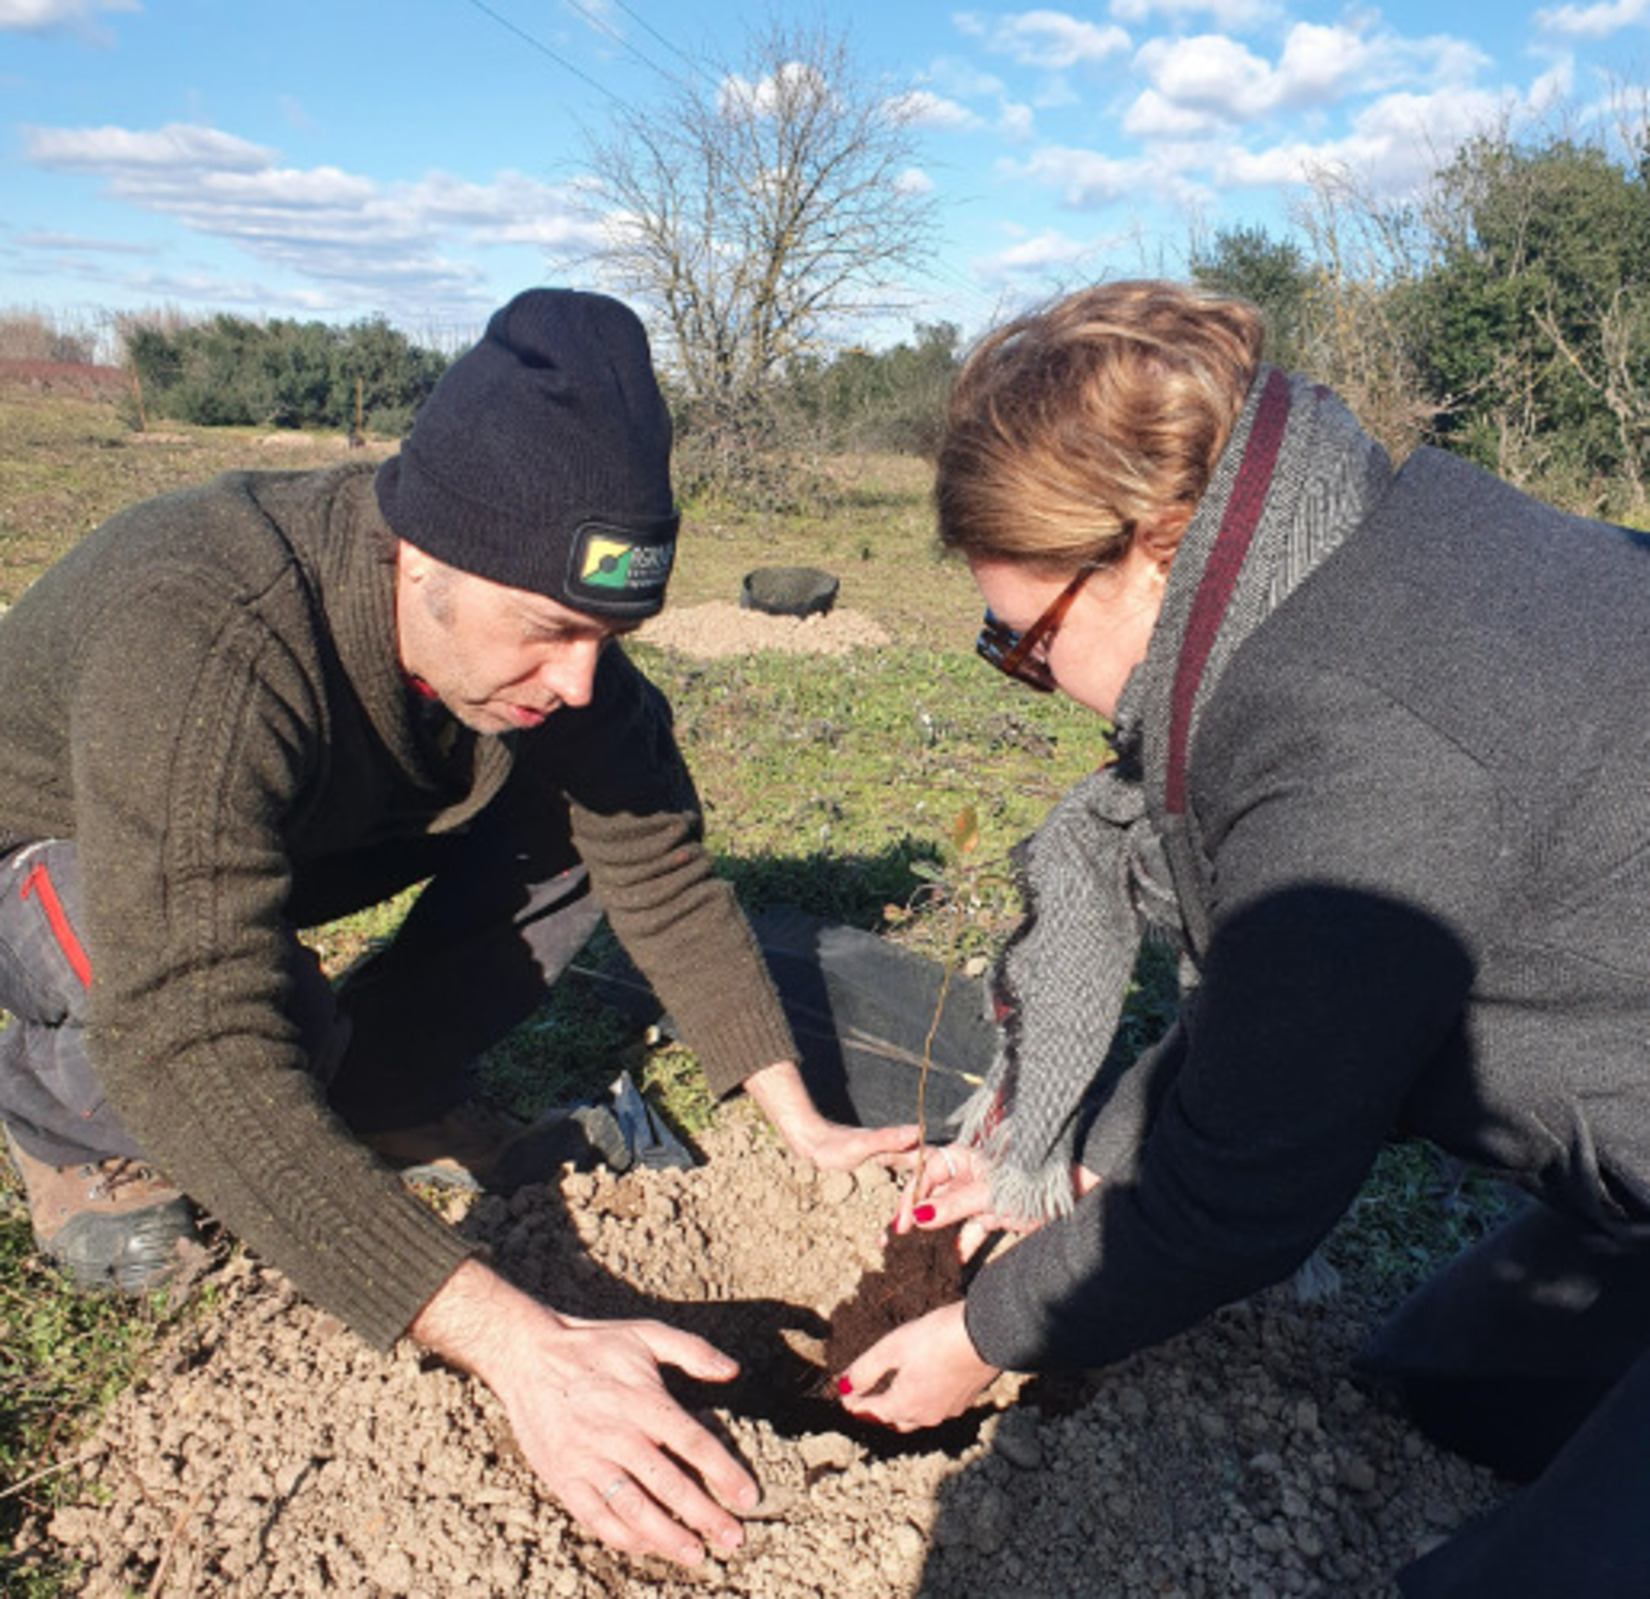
844	1386
923	1214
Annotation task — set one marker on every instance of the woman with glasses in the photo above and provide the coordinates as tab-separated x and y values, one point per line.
1380	768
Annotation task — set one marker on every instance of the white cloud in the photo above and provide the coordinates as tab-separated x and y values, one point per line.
913	180
1053	40
1016	123
1215	75
1233	16
1317	62
1208	80
1084	178
1553	87
1399	141
953	81
1035	255
1438	59
961	79
322	224
114	151
1596	21
61	16
512	209
1210	74
1394	146
1280	166
1152	116
921	109
1185	154
739	96
173	288
78	244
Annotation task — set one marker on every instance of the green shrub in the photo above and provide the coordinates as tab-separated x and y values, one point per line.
230	371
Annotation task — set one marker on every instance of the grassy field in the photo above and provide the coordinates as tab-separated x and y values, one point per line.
831	783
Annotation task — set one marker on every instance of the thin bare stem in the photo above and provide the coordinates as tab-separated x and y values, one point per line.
922	1076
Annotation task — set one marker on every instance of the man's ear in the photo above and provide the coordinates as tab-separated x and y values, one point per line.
411	562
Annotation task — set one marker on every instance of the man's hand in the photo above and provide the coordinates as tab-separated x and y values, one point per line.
831	1146
592	1415
919	1375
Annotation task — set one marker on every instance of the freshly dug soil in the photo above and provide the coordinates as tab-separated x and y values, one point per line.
719	627
270	1453
918	1272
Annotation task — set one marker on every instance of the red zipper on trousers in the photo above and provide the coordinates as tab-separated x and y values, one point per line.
39	883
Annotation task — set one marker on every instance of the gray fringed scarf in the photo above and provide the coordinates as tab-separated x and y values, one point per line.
1117	858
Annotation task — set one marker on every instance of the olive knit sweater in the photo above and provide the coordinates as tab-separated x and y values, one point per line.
205	695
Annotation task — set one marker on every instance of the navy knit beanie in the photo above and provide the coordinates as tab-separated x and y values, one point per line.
541	459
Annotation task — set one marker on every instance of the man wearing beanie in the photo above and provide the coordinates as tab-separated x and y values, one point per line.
250	707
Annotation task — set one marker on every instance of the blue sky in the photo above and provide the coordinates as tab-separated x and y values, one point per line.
346	158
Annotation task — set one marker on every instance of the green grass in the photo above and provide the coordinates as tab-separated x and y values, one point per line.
825	777
66	464
63	1357
833	784
1417	1208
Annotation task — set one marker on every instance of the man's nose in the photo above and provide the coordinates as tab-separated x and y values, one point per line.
571	673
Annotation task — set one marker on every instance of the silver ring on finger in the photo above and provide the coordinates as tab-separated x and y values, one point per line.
613	1487
950	1169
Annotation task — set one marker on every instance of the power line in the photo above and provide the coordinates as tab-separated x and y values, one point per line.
643	23
544	49
602	25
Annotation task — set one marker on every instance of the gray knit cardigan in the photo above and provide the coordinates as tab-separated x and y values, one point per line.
1421	794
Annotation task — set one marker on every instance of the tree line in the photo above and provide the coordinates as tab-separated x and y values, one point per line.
234	371
761	211
1503	315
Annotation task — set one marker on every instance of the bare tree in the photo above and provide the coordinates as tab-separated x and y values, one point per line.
1615	375
37	335
758	210
1364	253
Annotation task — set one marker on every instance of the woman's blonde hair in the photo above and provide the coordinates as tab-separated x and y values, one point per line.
1074	425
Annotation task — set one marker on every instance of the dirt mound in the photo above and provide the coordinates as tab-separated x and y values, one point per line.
720	628
270	1453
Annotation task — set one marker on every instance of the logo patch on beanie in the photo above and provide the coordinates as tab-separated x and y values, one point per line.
621	569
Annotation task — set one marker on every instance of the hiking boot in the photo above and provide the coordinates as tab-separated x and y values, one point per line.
474	1146
108	1224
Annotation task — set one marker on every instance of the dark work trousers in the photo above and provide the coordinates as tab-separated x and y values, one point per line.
506	907
1531	1355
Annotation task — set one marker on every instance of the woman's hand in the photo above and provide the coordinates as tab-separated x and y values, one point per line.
918	1375
953	1185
